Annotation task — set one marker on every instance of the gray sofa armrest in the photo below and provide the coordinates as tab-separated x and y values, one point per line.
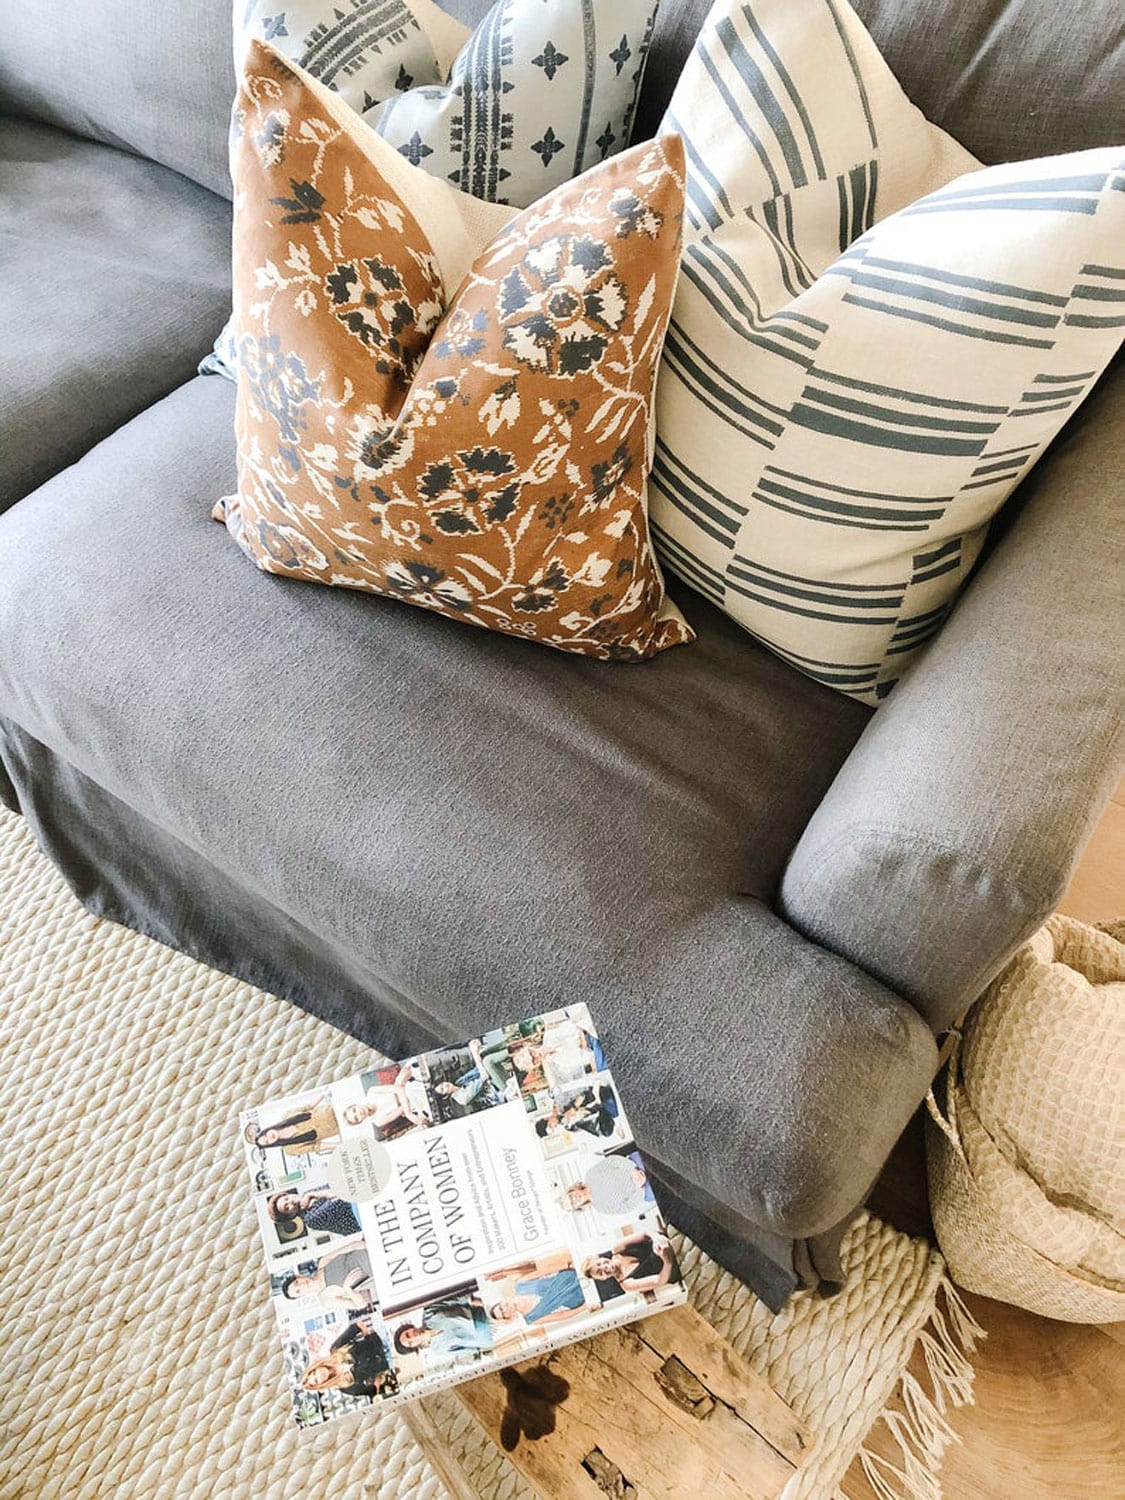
953	827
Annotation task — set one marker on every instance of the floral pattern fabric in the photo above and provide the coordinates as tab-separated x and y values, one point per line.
486	457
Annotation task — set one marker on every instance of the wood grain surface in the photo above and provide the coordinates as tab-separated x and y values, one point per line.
661	1410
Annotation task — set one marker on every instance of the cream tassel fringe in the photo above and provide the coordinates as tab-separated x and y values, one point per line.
918	1421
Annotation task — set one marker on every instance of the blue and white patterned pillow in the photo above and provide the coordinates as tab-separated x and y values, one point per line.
868	349
541	90
364	50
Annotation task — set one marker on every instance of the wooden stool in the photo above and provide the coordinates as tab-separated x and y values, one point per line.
662	1409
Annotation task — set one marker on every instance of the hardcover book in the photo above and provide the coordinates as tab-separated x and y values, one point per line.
430	1220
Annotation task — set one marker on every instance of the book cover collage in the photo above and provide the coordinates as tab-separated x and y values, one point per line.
427	1220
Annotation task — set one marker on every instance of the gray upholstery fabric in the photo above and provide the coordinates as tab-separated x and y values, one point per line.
469	11
114	279
1007	78
463	827
416	830
677	25
155	77
123	867
952	829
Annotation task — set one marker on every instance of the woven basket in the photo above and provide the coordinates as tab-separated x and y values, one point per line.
1027	1158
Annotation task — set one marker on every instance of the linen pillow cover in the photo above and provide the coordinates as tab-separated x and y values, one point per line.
857	374
363	51
487	458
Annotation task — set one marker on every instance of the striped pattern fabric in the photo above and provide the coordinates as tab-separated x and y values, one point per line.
871	344
361	49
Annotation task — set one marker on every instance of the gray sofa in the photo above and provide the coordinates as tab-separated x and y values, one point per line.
773	899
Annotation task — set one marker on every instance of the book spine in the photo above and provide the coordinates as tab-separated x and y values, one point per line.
584	1328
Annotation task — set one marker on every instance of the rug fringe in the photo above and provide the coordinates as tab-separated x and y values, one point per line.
921	1428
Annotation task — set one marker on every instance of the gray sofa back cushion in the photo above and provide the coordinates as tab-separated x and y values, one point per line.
1008	78
155	77
137	260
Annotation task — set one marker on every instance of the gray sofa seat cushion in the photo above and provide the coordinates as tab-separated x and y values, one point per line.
477	826
114	279
155	77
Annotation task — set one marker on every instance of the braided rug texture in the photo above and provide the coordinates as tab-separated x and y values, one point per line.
138	1347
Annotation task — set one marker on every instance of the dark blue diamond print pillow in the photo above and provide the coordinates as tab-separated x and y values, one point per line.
541	90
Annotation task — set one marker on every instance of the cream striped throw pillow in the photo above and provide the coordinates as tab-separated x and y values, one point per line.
869	349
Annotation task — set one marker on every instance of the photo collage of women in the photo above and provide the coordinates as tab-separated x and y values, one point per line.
461	1242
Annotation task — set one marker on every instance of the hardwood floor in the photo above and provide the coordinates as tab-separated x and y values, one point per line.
1049	1419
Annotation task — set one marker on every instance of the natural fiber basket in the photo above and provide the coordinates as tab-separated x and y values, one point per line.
1027	1159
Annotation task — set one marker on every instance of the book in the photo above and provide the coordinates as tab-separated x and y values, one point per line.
427	1221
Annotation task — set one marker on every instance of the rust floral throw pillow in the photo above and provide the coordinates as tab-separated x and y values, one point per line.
467	429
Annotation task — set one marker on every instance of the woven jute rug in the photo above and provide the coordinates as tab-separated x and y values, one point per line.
137	1345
